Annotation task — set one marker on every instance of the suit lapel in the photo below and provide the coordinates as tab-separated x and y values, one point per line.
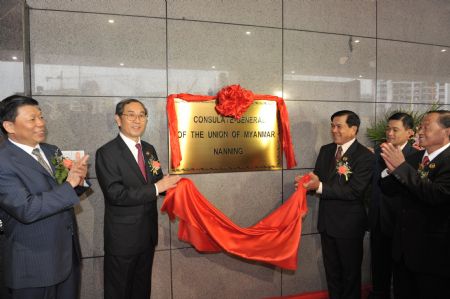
408	149
332	161
129	158
21	157
439	160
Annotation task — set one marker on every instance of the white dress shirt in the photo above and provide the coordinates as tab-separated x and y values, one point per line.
131	144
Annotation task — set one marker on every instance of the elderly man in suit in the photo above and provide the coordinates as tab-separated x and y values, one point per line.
341	176
41	250
383	209
421	242
131	178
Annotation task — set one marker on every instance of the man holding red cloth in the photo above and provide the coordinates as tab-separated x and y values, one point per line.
341	176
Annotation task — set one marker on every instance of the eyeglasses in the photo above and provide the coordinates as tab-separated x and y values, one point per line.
133	117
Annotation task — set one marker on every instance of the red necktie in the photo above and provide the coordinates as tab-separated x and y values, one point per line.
425	161
141	162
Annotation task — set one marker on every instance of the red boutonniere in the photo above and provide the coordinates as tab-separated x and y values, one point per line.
153	163
62	166
343	168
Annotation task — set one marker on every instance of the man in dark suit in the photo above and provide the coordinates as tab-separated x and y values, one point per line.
131	178
341	176
421	242
383	208
41	250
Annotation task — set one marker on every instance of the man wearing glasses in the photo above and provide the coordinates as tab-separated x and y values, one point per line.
131	179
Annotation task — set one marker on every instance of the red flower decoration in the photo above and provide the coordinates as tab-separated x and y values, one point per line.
233	101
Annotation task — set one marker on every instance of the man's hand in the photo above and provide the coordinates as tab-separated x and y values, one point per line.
392	156
313	183
167	182
78	172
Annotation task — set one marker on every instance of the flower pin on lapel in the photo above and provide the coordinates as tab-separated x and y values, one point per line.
147	153
432	165
154	165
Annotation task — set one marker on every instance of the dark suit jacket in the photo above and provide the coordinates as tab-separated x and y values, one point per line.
422	233
131	217
342	213
39	221
384	208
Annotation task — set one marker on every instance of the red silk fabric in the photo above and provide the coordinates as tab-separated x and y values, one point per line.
274	240
285	132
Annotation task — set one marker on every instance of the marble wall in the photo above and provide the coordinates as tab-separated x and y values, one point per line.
80	57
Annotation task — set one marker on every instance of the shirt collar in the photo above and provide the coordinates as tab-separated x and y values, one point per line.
436	152
26	148
129	142
346	145
403	146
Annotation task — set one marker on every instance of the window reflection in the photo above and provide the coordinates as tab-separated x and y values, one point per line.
11	48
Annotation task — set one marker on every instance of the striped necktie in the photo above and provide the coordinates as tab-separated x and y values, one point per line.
41	160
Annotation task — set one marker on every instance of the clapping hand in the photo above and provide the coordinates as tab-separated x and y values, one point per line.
391	155
78	171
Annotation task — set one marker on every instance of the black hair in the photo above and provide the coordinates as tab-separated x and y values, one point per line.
407	120
352	118
10	105
121	106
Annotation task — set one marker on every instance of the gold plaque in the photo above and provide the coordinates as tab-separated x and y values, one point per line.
210	142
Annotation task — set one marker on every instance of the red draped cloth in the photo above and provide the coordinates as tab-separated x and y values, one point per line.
274	240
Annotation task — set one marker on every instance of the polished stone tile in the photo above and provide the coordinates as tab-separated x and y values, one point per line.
310	126
309	224
205	57
323	67
92	278
310	274
161	286
340	16
254	197
384	110
83	54
412	73
90	215
425	21
75	123
199	276
154	8
250	12
11	48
